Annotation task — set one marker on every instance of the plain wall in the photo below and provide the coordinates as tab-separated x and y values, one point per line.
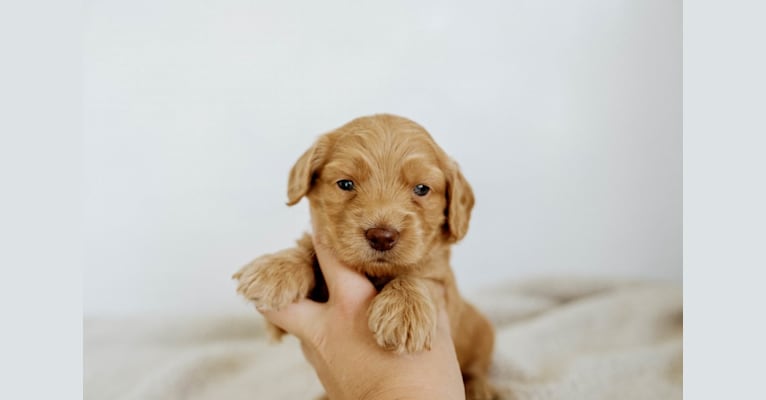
564	115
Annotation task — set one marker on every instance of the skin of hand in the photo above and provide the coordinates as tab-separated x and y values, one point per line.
336	340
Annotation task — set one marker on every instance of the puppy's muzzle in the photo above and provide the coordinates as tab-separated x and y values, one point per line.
381	239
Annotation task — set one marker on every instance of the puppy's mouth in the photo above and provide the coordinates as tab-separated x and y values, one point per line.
378	257
381	259
377	262
386	260
379	266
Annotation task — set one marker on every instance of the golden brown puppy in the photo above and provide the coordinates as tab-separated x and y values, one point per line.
390	203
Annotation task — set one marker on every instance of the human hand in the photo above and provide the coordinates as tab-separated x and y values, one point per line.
336	340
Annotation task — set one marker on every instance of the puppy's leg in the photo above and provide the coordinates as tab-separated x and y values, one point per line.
474	339
478	388
403	315
275	280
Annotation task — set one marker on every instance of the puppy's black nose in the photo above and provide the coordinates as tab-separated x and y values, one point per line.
381	239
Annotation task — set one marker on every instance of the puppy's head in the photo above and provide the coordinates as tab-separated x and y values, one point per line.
382	192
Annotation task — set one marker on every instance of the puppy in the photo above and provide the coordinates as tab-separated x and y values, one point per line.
390	203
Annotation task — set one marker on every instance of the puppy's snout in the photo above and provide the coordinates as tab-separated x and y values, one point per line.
381	239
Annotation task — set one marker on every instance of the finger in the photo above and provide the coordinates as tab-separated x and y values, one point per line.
443	322
343	283
297	318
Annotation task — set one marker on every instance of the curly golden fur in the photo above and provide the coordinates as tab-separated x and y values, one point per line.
385	157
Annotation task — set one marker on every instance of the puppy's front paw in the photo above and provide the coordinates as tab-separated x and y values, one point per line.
275	280
403	318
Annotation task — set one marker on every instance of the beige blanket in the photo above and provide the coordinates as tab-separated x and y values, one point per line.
556	339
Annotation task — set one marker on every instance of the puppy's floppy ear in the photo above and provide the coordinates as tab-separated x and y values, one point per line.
305	171
459	203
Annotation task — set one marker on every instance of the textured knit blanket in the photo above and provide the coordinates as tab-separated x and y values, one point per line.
556	339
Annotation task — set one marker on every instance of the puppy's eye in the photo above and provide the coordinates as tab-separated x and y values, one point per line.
421	190
345	184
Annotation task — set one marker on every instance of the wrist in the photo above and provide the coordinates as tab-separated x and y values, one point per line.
414	392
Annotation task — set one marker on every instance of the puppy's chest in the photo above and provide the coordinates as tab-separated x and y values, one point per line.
379	281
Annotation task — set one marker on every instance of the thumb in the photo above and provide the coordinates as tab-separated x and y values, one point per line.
343	283
298	318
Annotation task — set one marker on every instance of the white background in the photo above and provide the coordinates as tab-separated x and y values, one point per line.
565	116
